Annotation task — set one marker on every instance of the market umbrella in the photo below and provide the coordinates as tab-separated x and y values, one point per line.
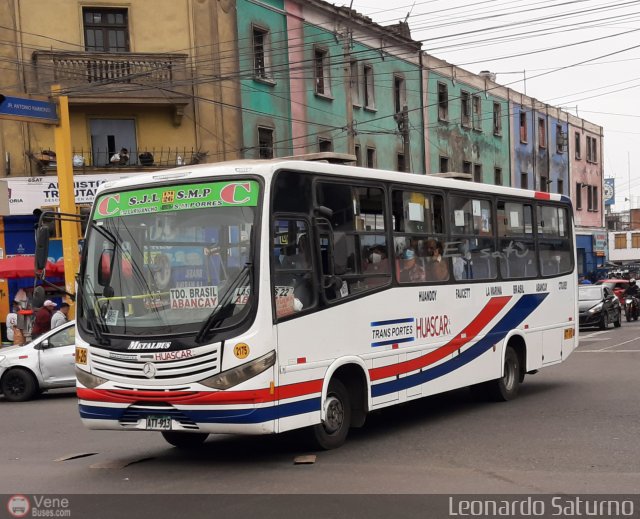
17	267
24	267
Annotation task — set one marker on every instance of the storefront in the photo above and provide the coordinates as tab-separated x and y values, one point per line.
591	248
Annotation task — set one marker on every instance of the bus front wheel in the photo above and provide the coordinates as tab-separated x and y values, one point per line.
506	387
332	432
184	440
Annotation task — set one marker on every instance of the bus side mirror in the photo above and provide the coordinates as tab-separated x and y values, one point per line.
105	267
42	247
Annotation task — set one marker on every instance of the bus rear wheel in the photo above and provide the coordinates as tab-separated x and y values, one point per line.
332	432
184	440
506	387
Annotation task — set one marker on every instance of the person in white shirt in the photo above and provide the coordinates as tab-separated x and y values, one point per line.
60	317
12	321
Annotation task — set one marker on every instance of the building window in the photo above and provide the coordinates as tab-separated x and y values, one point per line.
261	53
355	84
325	145
265	142
399	93
369	94
477	112
444	164
635	240
560	186
371	157
594	193
401	162
577	146
621	241
524	180
466	167
106	30
544	184
592	151
542	132
358	153
321	71
497	173
497	119
477	172
560	139
523	127
589	198
465	109
443	102
578	196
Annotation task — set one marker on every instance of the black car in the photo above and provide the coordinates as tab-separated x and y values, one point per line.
598	306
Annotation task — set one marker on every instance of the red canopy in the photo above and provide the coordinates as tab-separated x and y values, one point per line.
24	267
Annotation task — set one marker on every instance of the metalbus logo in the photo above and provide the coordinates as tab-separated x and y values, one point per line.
18	505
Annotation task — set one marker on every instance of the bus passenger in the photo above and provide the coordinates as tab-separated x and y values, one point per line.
411	272
436	268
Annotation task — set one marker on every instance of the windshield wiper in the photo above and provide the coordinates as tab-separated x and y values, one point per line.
226	306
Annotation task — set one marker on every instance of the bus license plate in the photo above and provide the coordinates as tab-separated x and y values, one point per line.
158	423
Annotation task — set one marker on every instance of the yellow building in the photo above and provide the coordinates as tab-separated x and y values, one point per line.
142	75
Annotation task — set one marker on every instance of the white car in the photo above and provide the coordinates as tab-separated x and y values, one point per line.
47	362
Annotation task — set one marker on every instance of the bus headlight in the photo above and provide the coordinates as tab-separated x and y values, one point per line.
88	380
239	374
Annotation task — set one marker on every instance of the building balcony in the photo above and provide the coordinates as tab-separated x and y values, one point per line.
90	78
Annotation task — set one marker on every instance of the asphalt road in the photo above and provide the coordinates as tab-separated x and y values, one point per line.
573	429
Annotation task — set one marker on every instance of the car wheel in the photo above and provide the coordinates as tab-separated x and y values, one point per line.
18	385
184	440
506	387
332	433
604	323
618	322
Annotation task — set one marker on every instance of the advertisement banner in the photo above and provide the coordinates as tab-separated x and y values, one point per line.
28	193
609	191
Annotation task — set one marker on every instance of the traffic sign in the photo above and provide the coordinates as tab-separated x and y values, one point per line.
28	110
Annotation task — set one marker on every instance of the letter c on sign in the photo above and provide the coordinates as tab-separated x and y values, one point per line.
103	206
230	194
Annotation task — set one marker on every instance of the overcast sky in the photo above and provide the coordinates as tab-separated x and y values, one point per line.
580	55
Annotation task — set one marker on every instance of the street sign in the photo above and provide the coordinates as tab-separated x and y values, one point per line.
28	110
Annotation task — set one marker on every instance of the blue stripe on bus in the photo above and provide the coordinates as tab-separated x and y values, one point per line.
236	416
394	341
520	311
393	321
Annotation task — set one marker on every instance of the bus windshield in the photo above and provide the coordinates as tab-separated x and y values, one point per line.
169	260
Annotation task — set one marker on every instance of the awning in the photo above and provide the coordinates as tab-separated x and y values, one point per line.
24	267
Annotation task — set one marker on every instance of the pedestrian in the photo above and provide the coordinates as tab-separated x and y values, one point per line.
12	321
121	158
61	316
42	322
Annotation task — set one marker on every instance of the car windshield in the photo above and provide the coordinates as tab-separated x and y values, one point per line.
157	261
589	293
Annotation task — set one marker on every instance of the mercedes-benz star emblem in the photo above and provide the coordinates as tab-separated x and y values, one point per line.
149	370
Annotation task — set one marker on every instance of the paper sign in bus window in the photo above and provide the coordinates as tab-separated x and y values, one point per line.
194	297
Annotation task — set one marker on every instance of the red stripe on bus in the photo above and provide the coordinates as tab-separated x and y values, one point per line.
202	397
543	196
473	328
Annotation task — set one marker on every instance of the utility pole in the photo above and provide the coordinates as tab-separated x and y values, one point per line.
346	46
69	228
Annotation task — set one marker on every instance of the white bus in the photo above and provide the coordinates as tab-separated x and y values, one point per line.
258	297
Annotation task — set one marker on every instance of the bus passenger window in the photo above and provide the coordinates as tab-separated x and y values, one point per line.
293	285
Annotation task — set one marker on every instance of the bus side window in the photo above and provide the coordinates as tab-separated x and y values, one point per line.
293	285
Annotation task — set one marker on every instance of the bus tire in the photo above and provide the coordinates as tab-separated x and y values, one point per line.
184	440
506	387
332	432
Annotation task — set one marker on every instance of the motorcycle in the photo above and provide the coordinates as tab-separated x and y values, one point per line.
631	309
